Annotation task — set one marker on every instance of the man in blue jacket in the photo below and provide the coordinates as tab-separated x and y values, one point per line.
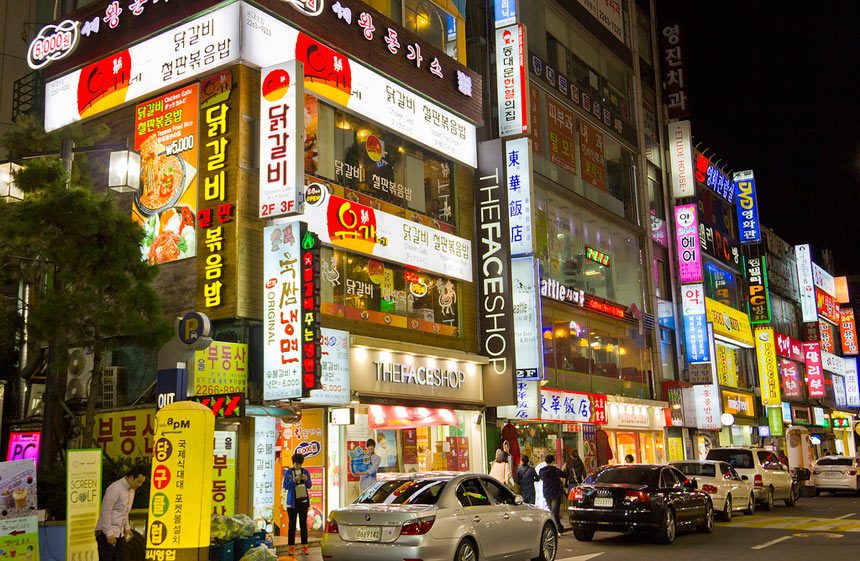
297	481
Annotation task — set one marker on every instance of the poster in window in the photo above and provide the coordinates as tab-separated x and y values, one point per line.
562	147
592	155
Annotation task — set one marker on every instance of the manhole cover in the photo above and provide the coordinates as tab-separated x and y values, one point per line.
818	535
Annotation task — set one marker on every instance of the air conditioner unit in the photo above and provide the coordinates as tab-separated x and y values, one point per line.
114	387
79	373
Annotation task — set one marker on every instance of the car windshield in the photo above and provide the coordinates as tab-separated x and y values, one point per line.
625	475
835	461
403	491
738	459
692	469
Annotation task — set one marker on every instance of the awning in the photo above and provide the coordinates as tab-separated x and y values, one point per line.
399	417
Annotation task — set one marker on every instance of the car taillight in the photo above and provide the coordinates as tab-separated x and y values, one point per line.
418	527
576	494
331	526
758	481
636	497
709	488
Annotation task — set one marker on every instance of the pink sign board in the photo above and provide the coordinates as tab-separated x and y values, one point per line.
687	240
24	446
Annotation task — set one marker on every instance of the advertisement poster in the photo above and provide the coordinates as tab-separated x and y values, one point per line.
307	438
181	483
561	124
386	448
19	539
410	447
83	501
355	451
220	368
126	433
592	155
224	473
167	137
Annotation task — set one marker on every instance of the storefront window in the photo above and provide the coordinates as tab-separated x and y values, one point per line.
432	24
361	288
668	358
361	156
643	31
722	286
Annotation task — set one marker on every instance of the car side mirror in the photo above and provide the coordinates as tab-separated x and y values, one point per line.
518	500
744	478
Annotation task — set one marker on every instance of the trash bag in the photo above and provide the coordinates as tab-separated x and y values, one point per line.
246	526
227	528
259	553
219	529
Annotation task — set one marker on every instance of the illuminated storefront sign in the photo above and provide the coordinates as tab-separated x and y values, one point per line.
823	280
282	294
727	367
805	283
775	421
83	494
127	434
749	229
681	158
282	169
511	80
570	407
713	177
223	406
789	373
693	312
831	363
561	125
827	307
814	372
504	12
768	370
675	84
221	368
598	304
53	42
839	391
527	402
224	473
24	446
730	324
719	245
738	404
852	389
789	347
527	318
518	168
263	480
841	286
848	331
758	300
687	239
597	256
356	227
554	290
334	364
310	313
171	57
828	341
707	401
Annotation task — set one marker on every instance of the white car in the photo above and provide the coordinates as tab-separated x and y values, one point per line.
770	477
836	473
730	492
439	517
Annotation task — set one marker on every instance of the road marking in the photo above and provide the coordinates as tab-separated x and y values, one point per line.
817	535
800	523
849	515
771	542
582	557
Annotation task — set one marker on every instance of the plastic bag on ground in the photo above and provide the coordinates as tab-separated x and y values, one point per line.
259	553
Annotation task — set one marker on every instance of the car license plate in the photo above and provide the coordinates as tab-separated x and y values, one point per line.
603	501
368	534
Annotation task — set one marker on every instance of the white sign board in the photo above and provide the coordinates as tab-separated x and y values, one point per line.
511	80
527	327
852	389
335	369
806	283
528	393
518	178
823	280
681	158
263	491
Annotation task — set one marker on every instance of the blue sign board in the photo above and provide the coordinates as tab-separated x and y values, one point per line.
505	12
170	385
746	204
696	338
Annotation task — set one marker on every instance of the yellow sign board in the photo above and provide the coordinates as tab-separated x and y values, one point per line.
180	499
220	368
224	473
768	370
729	323
737	403
83	500
676	449
727	367
126	434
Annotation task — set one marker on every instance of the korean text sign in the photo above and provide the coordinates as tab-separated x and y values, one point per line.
768	369
746	204
758	300
814	370
688	247
180	498
695	323
511	82
848	331
220	368
83	500
126	433
805	283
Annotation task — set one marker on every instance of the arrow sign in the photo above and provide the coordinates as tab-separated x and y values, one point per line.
223	406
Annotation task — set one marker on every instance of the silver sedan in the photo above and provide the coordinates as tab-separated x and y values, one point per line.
439	517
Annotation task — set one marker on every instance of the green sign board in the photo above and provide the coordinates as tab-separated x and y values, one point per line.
774	421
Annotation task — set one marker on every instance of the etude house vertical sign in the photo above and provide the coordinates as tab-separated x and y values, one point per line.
495	307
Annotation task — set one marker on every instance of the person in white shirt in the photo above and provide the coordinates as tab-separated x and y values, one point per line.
113	528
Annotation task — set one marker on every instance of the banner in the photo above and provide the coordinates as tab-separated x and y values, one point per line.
83	502
848	331
746	203
687	243
758	297
768	371
224	473
220	368
512	80
180	497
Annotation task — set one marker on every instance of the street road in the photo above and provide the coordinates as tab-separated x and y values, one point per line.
826	528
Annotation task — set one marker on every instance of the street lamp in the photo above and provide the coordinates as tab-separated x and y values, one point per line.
124	171
8	190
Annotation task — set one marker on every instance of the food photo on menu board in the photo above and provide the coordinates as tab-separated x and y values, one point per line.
17	489
166	135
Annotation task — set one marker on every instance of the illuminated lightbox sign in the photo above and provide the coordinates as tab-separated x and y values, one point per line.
687	239
511	82
749	229
768	368
565	406
53	42
310	313
694	316
681	158
758	297
355	227
597	256
848	331
282	163
518	176
527	323
504	12
713	177
346	83
823	280
166	59
814	371
805	282
852	389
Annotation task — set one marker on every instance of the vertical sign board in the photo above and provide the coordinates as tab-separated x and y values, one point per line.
527	318
774	421
707	397
504	12
805	283
848	331
263	482
675	81
528	394
839	389
495	304
180	497
814	370
282	309
768	370
758	301
224	473
511	80
334	363
695	323
746	205
687	243
518	167
83	502
852	389
282	167
681	158
19	527
310	313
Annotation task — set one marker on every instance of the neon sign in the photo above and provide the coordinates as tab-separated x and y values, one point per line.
597	256
310	312
53	42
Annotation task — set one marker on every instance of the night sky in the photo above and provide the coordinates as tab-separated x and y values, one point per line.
776	88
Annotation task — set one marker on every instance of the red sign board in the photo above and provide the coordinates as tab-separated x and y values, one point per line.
827	306
310	317
828	343
848	331
790	375
814	371
789	347
605	306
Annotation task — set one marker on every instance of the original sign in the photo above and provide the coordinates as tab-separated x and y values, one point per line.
758	297
511	80
768	370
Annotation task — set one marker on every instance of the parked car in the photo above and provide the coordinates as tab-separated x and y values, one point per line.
653	499
439	517
730	491
771	478
836	473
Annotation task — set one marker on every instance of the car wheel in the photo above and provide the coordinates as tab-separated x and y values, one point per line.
666	534
818	492
583	535
792	498
727	512
707	526
750	510
768	502
466	551
548	544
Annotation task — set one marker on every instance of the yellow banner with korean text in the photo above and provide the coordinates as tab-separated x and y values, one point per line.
768	369
729	323
220	368
126	433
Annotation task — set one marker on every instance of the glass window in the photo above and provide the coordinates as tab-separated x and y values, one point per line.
723	286
403	491
738	459
694	469
769	461
784	315
668	479
625	476
643	31
668	360
834	462
471	493
498	492
432	24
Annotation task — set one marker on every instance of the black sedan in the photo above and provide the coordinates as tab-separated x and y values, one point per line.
652	499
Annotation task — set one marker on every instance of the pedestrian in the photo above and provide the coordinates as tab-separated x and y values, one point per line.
501	469
553	488
540	500
506	447
629	459
526	477
367	473
297	481
113	528
574	468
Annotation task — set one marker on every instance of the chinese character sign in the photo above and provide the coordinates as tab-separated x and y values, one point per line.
528	395
768	370
519	183
687	243
814	370
746	205
180	498
559	405
848	331
220	368
282	168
